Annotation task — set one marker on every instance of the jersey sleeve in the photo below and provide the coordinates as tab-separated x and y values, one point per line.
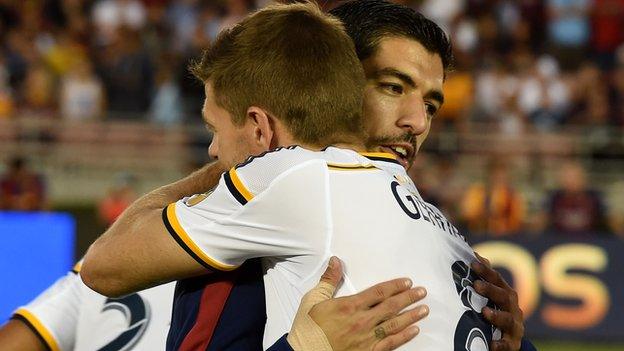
255	211
53	315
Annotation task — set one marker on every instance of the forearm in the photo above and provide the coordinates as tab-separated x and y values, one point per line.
119	262
197	182
17	336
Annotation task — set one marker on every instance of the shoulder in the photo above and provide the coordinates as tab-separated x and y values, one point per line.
257	173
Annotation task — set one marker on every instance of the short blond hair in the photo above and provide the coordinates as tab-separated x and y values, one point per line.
297	63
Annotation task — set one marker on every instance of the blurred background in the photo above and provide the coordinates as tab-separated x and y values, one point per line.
526	156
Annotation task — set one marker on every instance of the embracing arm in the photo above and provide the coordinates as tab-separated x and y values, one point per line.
137	252
16	335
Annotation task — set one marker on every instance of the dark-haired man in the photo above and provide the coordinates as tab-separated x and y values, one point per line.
406	58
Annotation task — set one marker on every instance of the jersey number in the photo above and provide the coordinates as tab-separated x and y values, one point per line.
137	313
472	333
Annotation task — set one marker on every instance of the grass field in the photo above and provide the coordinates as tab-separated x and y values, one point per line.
576	346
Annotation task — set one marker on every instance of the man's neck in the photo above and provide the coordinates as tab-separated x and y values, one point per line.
283	137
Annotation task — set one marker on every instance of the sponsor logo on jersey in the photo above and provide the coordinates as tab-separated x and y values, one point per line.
196	199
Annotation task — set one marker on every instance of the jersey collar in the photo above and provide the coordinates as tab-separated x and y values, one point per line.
380	156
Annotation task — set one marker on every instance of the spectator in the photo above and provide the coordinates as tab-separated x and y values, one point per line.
166	108
182	18
82	95
616	97
20	188
19	54
6	93
616	207
459	96
574	209
63	53
118	198
156	34
439	183
110	15
209	22
493	87
588	83
569	30
442	12
38	91
493	207
465	37
423	174
543	96
607	30
534	22
236	10
496	98
126	71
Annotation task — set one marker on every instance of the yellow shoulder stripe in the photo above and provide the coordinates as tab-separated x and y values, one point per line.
43	331
190	244
239	185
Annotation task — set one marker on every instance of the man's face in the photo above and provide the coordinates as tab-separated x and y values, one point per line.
231	144
403	92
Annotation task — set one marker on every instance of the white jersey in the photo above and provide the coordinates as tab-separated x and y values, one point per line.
296	208
70	316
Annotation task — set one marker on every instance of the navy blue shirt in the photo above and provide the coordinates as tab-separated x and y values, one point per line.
219	311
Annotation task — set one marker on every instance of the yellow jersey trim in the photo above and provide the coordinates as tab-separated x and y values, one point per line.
42	330
188	244
77	267
379	154
349	167
242	189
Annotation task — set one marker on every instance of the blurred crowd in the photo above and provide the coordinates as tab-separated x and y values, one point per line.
535	65
22	189
522	66
496	205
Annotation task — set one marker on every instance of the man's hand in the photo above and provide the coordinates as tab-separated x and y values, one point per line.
509	318
369	320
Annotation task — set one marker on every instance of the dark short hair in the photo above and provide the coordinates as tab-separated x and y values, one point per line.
296	62
369	21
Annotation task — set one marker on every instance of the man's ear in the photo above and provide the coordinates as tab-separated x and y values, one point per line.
263	127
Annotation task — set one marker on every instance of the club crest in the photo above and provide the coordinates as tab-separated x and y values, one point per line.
196	199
